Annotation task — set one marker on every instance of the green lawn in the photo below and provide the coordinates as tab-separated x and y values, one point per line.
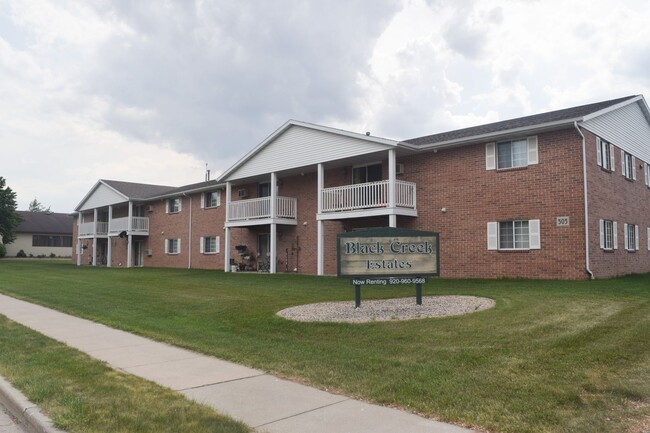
552	356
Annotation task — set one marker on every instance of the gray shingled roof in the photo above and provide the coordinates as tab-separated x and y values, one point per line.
138	191
520	122
188	188
45	223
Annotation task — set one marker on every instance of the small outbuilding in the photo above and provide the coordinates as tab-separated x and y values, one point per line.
43	234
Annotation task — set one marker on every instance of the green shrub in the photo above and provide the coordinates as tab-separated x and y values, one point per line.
3	250
21	253
52	255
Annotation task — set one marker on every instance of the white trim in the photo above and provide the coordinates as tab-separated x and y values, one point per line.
490	156
534	235
615	235
612	157
636	237
533	152
599	153
492	235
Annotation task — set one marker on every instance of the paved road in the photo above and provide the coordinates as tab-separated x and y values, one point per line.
8	423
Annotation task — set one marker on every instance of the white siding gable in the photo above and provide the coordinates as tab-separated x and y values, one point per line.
102	196
627	128
299	146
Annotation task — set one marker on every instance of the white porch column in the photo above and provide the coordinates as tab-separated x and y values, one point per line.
392	177
274	195
109	252
129	246
321	232
95	237
78	252
226	255
274	246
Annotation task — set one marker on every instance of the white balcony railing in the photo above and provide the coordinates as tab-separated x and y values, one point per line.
368	195
88	229
259	208
138	225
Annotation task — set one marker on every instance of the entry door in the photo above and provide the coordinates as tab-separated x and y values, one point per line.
137	254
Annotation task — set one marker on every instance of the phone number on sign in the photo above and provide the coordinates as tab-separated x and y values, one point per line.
407	280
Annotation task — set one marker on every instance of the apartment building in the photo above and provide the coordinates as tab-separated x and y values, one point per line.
563	194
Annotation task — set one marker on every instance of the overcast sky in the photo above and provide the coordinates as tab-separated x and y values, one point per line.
151	91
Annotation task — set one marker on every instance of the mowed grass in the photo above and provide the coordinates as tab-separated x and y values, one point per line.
86	396
552	356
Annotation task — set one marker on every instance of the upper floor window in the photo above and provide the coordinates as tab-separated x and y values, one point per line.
211	199
605	154
366	173
511	154
174	205
628	165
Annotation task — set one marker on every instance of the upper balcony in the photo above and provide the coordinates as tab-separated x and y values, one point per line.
368	199
257	211
139	226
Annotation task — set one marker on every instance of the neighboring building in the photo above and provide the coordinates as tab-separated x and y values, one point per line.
563	194
43	233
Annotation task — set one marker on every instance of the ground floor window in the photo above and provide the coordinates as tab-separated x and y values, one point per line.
514	235
631	232
209	245
608	237
51	241
172	246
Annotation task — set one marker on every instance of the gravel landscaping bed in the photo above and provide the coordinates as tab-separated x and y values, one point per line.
387	309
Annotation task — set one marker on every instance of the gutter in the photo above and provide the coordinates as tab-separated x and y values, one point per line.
584	180
189	241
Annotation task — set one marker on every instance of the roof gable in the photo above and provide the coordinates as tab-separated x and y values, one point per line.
298	144
101	195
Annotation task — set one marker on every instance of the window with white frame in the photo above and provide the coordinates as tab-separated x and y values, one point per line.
366	173
511	154
631	232
628	165
608	235
209	245
174	205
172	246
514	235
211	199
605	154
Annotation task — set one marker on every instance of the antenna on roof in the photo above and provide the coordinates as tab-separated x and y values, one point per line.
207	172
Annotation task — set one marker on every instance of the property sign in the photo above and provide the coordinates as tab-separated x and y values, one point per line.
387	252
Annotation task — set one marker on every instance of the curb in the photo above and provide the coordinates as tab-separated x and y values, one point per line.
26	412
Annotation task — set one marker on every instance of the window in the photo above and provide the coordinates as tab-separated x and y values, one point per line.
514	235
605	154
209	245
211	199
174	205
366	173
646	171
631	232
51	241
628	165
511	154
608	235
172	246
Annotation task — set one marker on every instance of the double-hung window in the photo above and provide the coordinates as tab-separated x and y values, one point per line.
366	173
511	154
210	199
608	235
172	246
605	154
628	165
631	232
514	235
174	205
209	245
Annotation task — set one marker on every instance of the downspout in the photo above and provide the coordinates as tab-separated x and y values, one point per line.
189	241
584	180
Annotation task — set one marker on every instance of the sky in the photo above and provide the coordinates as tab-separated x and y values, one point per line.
151	91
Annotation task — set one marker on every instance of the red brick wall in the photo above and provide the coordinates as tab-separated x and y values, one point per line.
615	198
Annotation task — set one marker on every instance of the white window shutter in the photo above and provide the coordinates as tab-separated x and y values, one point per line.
636	237
625	237
599	155
612	158
178	250
534	233
202	245
648	237
218	247
492	235
533	153
203	200
602	234
622	162
180	205
634	168
166	246
166	206
646	170
615	237
490	156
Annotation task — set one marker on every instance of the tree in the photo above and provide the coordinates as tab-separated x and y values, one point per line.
37	206
9	218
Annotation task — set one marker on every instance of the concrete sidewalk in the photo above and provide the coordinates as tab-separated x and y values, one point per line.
264	402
